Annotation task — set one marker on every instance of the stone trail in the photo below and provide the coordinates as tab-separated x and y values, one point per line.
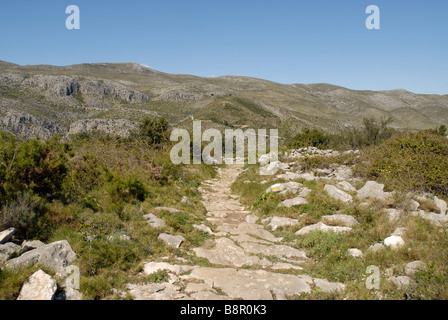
245	258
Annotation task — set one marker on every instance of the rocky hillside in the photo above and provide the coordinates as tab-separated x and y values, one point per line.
46	100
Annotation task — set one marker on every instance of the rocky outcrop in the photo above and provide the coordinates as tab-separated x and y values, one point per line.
119	127
55	256
64	86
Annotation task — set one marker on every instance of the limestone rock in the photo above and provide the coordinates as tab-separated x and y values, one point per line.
342	219
441	204
269	169
285	187
203	227
170	210
281	222
434	218
174	241
355	253
6	235
31	245
7	250
400	281
337	194
393	214
394	242
40	286
346	186
327	286
68	294
322	227
154	221
297	201
377	246
55	256
152	267
414	266
373	189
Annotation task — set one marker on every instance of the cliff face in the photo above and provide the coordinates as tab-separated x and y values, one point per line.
46	100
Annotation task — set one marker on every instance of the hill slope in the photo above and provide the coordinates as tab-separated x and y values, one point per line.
44	100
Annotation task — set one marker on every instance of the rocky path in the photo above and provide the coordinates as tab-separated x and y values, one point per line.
246	260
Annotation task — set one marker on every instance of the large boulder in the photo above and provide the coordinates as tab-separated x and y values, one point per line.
55	256
40	286
374	190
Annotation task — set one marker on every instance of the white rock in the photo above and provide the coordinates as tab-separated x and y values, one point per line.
154	221
153	267
40	286
441	204
55	256
31	245
414	205
414	266
337	194
270	169
435	218
6	235
251	218
346	186
7	250
297	201
400	281
285	187
277	222
343	219
355	253
394	242
393	214
322	227
399	232
373	189
174	241
203	227
377	246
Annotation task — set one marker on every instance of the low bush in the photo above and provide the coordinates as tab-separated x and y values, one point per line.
407	162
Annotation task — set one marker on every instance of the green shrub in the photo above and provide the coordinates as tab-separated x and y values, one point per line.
409	162
154	130
310	138
34	166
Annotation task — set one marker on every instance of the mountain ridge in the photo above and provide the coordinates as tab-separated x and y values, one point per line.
33	96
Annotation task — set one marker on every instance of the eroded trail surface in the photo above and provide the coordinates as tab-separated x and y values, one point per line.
246	260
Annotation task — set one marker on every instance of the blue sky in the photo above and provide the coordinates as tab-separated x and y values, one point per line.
287	41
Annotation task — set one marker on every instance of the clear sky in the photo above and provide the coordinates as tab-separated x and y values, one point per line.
287	41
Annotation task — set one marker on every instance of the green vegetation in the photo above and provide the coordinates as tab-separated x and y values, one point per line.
93	192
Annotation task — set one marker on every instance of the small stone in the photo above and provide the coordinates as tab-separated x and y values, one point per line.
327	286
441	204
400	281
40	286
374	190
297	201
185	200
251	219
376	247
414	266
356	253
154	221
346	186
174	241
31	245
322	227
414	205
6	235
393	214
394	242
7	250
399	232
277	222
337	194
203	227
342	219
